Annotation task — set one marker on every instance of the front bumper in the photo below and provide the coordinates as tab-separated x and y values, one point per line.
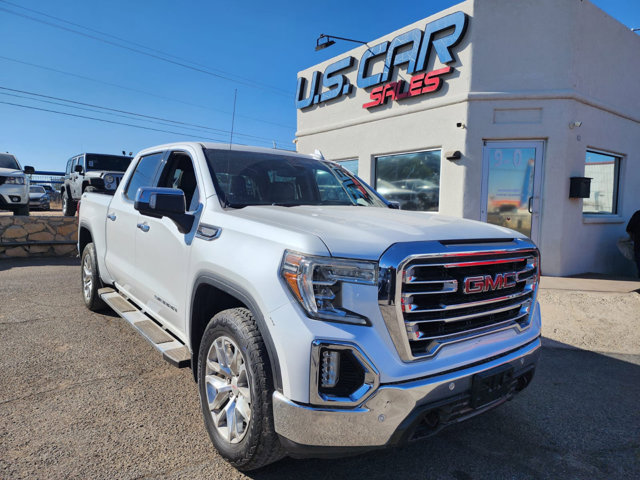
10	192
396	412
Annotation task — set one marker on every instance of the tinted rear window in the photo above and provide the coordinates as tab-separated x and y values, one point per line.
116	163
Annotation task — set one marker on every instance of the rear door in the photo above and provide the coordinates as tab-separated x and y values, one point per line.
162	252
121	225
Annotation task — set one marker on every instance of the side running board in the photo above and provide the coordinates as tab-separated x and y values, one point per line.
173	351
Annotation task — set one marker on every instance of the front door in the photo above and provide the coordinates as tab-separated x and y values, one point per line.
511	185
162	252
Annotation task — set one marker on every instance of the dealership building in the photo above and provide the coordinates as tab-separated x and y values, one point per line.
521	114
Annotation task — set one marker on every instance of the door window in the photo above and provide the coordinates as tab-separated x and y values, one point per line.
144	174
510	198
179	173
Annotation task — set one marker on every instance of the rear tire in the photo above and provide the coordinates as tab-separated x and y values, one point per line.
68	205
235	382
91	282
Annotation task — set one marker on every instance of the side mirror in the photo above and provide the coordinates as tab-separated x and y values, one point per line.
394	205
29	170
164	202
77	168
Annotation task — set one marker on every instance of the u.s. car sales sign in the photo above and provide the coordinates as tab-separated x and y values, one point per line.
412	48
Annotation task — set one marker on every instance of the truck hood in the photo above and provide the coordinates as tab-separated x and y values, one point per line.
10	171
366	232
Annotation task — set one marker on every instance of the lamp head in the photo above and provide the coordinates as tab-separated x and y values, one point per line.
323	42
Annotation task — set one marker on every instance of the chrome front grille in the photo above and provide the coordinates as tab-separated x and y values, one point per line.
451	292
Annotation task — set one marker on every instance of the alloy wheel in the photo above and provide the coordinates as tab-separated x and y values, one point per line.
87	277
228	389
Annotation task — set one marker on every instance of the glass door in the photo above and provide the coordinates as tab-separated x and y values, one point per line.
511	184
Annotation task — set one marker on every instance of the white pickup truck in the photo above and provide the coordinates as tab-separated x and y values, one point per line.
317	319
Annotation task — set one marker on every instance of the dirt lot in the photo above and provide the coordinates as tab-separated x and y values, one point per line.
83	396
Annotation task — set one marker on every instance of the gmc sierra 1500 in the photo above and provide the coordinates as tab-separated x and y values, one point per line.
316	319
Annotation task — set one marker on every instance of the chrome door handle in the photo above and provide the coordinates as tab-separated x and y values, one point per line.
144	227
529	207
112	217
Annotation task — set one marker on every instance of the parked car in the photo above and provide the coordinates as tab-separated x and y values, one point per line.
93	171
14	185
39	198
54	195
428	193
407	199
317	320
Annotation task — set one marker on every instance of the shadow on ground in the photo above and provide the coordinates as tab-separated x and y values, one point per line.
578	419
9	263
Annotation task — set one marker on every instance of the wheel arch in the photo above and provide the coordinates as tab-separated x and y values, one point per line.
211	295
84	237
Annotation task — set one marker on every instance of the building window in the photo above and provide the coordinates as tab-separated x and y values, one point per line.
604	171
411	179
351	165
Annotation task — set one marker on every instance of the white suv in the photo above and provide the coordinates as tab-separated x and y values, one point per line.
14	185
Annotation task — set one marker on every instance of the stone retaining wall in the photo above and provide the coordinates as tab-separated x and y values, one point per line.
38	236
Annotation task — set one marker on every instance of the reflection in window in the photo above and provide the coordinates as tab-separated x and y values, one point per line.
143	174
351	165
411	179
604	171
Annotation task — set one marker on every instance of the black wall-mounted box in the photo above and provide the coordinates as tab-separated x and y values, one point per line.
580	187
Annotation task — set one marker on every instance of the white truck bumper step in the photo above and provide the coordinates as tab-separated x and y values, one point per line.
173	351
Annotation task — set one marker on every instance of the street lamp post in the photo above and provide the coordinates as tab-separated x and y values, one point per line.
325	41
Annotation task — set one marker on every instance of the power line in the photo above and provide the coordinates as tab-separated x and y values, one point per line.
176	122
83	77
131	42
114	122
107	121
117	115
93	110
275	90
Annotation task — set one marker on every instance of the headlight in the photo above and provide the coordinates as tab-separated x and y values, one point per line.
15	180
108	179
317	284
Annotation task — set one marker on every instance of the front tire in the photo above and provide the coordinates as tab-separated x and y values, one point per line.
235	385
91	282
68	205
22	210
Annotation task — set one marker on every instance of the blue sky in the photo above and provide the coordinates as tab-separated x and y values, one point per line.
255	47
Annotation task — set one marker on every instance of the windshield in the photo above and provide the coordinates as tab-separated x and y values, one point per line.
114	163
36	189
8	161
251	178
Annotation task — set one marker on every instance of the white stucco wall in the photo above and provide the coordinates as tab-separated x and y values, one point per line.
524	71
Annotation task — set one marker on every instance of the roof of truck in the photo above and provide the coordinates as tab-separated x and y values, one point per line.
221	146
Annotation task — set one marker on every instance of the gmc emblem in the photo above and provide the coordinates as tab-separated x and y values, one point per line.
487	283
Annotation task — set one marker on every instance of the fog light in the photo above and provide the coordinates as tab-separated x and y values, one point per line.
330	368
14	198
340	374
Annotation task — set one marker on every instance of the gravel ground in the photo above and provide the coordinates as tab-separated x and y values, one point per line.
83	396
597	321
